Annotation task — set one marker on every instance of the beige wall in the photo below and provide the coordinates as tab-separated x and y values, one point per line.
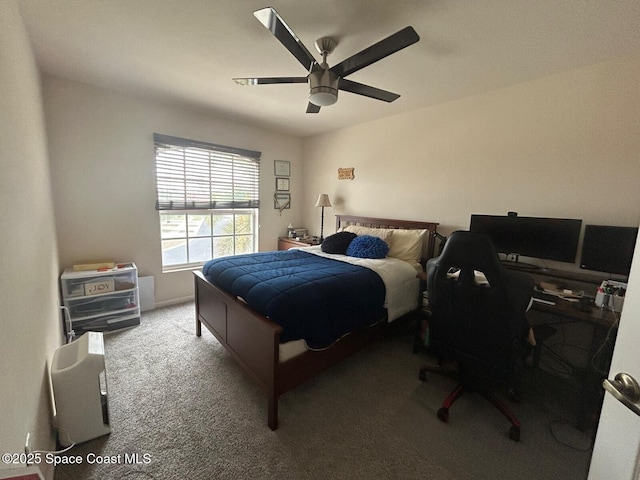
102	161
564	145
567	145
29	319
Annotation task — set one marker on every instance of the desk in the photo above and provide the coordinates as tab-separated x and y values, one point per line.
604	323
564	308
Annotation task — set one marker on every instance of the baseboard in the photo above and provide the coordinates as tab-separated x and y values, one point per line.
175	301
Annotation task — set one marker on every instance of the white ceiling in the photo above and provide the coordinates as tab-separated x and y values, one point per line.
189	50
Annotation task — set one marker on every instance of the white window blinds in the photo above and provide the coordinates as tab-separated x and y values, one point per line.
199	175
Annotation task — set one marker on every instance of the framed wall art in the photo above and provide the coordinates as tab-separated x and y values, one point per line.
282	184
282	168
281	201
346	173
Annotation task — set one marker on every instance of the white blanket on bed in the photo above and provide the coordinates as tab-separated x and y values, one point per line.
399	278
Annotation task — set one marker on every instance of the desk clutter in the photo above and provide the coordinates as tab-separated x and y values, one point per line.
559	290
610	294
297	233
547	292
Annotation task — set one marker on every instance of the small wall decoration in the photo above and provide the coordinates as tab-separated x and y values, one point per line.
282	184
346	173
281	201
282	168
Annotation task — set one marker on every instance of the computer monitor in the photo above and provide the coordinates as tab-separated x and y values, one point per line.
607	248
537	237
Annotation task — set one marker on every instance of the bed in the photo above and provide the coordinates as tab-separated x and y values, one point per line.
254	340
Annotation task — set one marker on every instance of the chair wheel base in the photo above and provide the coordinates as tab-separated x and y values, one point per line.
443	414
514	433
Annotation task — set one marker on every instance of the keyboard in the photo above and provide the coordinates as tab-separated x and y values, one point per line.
544	297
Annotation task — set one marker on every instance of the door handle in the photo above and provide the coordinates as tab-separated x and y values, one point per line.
625	389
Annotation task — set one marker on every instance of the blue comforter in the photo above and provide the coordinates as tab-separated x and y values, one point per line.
315	298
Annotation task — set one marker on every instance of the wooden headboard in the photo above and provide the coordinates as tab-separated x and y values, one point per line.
428	247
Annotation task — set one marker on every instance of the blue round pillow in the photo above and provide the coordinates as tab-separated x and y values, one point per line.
368	246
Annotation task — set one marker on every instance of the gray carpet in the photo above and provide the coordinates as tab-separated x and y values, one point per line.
189	411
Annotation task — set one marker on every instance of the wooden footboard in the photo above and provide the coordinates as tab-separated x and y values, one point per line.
251	339
254	341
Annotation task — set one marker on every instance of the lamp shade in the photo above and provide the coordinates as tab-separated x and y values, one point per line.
323	200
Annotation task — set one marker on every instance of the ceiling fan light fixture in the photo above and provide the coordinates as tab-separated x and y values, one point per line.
323	98
323	88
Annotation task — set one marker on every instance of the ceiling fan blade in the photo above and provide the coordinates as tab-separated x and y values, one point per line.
399	40
275	24
269	80
311	108
367	90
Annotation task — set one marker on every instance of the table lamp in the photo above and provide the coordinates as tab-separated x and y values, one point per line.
323	201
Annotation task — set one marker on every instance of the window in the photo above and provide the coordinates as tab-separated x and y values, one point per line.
207	198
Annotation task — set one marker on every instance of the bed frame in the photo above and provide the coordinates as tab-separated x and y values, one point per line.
253	340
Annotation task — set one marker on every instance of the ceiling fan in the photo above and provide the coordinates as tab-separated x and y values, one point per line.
324	82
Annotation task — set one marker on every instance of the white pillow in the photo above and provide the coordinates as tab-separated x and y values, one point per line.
383	233
403	243
407	245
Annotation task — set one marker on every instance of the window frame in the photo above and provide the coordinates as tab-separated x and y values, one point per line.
187	237
204	179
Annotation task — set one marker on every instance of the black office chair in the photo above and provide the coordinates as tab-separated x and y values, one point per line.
477	319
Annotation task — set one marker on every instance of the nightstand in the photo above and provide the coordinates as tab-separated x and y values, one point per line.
285	243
